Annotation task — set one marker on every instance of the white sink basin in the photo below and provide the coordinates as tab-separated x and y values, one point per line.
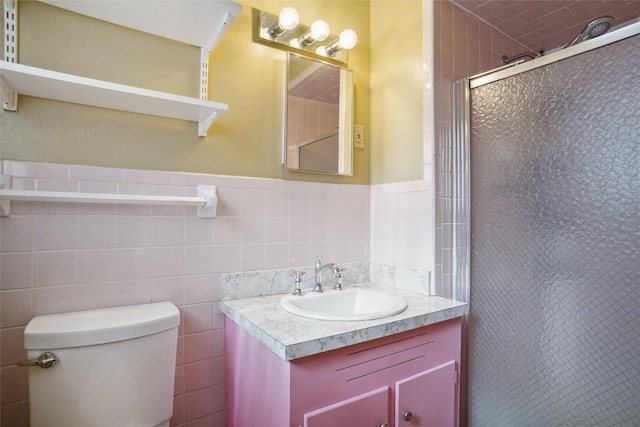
348	304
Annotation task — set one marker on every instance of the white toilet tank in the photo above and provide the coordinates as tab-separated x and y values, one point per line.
115	367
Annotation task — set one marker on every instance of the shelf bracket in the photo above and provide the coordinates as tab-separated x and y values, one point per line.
9	97
205	124
207	48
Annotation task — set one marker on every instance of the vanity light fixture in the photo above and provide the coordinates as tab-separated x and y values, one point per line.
288	19
284	31
347	40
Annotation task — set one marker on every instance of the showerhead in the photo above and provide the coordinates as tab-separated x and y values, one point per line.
594	29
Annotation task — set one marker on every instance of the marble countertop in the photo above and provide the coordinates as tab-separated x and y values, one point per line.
292	337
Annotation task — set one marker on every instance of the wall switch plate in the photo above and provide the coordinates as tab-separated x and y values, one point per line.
358	136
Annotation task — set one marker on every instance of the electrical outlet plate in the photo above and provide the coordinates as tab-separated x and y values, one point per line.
358	136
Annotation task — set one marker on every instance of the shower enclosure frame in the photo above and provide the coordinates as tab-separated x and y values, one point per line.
460	256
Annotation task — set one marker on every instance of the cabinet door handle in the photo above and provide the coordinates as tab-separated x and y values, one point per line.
407	415
385	424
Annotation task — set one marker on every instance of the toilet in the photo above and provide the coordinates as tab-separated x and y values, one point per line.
103	368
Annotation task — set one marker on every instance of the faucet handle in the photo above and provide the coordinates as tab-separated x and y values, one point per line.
338	285
298	283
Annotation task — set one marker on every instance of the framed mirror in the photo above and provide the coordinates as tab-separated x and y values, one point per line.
318	134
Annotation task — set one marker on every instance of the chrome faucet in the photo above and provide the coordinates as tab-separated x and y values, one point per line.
319	269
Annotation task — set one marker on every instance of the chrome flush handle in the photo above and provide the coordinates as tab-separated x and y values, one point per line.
45	360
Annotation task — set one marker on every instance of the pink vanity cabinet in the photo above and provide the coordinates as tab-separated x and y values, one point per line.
406	379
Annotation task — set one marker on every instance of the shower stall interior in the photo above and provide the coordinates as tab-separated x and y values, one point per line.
548	232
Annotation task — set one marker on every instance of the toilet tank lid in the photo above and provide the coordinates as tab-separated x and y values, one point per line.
91	327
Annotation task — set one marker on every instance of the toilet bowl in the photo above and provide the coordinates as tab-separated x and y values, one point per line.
103	368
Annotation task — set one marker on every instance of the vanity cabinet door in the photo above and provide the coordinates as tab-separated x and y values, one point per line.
427	398
366	410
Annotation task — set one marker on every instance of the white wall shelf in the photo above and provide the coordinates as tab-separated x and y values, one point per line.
200	23
37	82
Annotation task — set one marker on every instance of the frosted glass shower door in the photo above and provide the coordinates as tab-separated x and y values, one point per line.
554	330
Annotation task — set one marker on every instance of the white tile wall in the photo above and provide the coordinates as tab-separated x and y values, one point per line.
402	224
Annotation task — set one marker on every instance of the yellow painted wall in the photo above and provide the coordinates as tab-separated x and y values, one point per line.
396	91
244	141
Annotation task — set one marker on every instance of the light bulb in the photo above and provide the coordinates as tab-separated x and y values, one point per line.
319	30
288	18
348	39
